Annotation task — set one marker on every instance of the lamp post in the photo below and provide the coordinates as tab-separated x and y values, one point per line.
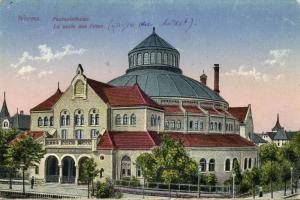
23	177
199	170
233	184
292	192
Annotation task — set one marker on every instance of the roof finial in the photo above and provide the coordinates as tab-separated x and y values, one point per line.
278	117
4	96
58	85
17	110
153	29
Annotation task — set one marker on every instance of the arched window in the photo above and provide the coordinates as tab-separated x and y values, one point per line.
158	58
134	59
46	121
255	162
191	124
92	117
79	88
118	119
211	165
202	165
170	59
5	124
196	125
249	163
158	120
176	61
152	58
79	118
125	166
139	59
172	125
165	60
51	121
146	58
40	122
245	163
64	118
220	126
173	60
216	126
166	124
227	165
125	119
133	119
138	171
101	173
211	126
178	124
201	125
152	120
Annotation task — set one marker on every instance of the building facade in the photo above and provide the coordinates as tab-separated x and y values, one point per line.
117	121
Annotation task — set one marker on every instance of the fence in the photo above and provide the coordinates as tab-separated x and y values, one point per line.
16	194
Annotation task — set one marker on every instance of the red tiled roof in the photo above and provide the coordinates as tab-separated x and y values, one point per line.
48	103
128	140
192	109
212	111
128	96
98	87
34	134
224	112
172	109
239	112
212	140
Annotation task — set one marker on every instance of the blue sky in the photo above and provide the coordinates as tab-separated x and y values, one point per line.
256	43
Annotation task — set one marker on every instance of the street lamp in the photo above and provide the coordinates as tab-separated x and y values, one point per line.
233	184
23	177
292	192
199	170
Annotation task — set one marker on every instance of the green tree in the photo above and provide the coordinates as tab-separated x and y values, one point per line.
211	179
169	163
270	174
268	152
89	171
252	179
237	171
25	151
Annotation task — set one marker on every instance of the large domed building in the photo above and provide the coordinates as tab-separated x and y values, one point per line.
117	121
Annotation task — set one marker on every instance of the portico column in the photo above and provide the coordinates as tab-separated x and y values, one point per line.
76	174
60	173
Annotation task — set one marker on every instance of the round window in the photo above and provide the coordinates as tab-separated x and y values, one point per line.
102	157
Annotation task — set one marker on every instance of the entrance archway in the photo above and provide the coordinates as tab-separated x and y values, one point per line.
68	170
52	169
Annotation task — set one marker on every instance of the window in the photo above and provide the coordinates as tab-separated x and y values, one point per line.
216	126
79	134
146	58
5	124
79	118
220	126
79	88
93	117
152	120
126	166
167	124
133	119
245	163
227	165
94	133
64	134
201	125
152	58
202	165
255	162
51	121
40	122
249	163
101	173
176	61
138	171
196	125
46	121
211	166
173	60
118	119
101	157
125	119
64	118
211	127
234	162
165	60
159	58
191	124
134	60
172	125
178	124
170	59
139	59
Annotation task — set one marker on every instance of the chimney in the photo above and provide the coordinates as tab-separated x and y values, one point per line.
203	78
216	81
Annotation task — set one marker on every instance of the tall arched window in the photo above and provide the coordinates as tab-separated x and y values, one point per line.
132	119
178	124
216	126
40	122
227	165
165	60
51	121
152	58
46	121
166	124
245	163
125	166
170	59
134	59
220	126
202	165
191	125
158	58
5	124
176	61
173	60
139	59
152	120
249	163
255	162
125	119
146	58
172	125
79	118
93	117
64	118
211	165
211	126
118	119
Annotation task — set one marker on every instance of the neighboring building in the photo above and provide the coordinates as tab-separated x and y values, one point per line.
116	122
19	121
278	135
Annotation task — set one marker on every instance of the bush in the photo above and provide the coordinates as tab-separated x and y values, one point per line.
106	190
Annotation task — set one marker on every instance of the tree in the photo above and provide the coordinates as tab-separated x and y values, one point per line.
252	178
237	171
211	179
169	163
25	152
268	152
270	173
89	171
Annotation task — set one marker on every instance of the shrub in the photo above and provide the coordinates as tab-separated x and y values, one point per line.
106	190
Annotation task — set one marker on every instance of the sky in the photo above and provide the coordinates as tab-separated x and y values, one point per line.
256	43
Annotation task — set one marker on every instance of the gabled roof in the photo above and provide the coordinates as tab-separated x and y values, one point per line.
277	125
128	140
34	134
239	112
21	121
98	87
48	103
256	138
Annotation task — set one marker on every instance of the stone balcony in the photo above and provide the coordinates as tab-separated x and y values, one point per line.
70	143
